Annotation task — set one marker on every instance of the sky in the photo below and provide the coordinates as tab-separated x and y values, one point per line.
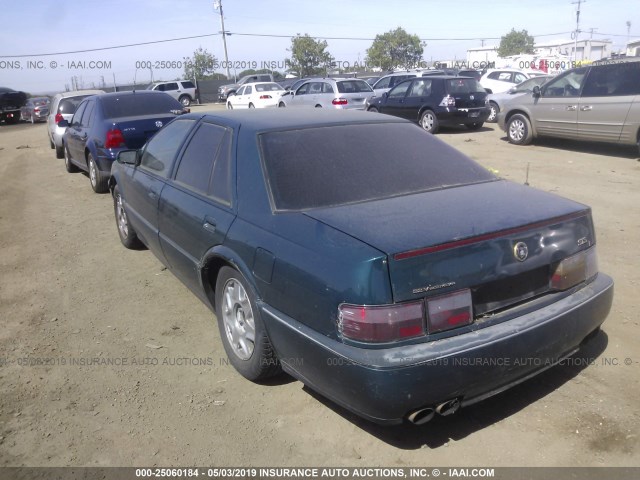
34	28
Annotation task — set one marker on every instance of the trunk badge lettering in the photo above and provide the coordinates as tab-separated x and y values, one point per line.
520	251
583	241
428	288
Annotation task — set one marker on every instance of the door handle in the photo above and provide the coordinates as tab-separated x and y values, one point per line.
572	108
152	194
209	225
586	108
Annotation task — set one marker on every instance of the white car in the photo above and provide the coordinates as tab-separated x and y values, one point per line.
62	107
501	80
256	95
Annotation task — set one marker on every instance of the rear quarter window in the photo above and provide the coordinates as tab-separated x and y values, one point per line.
336	165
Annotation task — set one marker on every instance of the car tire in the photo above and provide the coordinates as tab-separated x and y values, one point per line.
239	319
229	106
127	234
251	105
429	121
185	100
68	164
99	181
474	126
282	105
59	152
519	130
493	115
372	109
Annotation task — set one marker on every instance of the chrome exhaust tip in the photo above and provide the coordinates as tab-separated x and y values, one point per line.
448	408
421	416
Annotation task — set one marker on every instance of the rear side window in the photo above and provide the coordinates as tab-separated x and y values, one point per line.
463	85
567	85
70	105
354	86
336	165
613	80
188	85
197	161
129	105
162	148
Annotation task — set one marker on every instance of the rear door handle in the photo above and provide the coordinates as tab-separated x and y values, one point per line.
586	108
572	108
209	224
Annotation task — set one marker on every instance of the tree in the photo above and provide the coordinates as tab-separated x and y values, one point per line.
308	56
251	71
395	49
200	66
515	43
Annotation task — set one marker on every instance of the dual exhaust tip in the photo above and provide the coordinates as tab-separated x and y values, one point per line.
423	415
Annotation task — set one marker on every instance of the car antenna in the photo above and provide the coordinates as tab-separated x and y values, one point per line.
526	180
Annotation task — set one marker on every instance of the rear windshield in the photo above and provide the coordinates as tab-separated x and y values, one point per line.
70	105
353	86
337	165
268	87
463	85
129	105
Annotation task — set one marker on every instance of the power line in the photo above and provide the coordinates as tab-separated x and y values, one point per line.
265	35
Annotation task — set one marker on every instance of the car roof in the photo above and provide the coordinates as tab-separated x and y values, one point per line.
260	83
78	93
254	120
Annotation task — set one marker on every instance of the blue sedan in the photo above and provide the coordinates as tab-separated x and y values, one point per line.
105	124
363	256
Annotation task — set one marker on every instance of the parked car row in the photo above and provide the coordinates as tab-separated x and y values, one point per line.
91	127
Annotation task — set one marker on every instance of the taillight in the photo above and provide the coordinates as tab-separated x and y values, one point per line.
452	310
448	101
381	323
339	101
114	139
59	117
575	269
265	97
36	110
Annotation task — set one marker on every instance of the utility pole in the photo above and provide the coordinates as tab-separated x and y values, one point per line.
217	4
628	32
575	45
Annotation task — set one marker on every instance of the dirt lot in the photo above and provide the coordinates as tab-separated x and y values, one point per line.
70	293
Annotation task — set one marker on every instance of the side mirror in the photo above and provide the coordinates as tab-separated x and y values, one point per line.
63	123
385	94
536	91
128	157
512	90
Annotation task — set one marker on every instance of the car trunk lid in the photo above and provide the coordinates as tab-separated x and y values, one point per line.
468	237
137	130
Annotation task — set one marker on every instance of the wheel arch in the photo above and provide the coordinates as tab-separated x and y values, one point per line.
211	264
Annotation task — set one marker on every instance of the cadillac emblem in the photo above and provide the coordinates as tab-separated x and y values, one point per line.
520	251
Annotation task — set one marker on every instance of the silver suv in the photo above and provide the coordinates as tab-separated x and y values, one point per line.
338	93
184	90
599	102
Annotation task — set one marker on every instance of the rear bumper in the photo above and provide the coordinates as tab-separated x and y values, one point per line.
455	116
384	385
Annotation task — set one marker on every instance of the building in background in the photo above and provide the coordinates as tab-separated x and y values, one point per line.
633	48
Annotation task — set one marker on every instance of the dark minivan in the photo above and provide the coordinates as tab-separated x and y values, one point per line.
436	101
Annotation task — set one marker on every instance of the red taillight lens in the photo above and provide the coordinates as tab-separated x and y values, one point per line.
265	97
114	139
575	269
339	101
449	311
36	110
59	117
448	101
382	323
